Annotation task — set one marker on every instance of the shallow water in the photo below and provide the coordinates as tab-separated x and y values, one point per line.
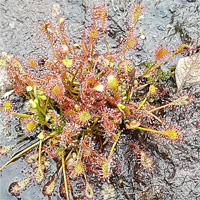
176	173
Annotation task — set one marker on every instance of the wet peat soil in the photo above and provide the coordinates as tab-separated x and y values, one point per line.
176	173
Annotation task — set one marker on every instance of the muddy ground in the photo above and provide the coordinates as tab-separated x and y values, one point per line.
176	173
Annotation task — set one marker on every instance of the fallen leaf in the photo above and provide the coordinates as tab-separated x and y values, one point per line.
188	71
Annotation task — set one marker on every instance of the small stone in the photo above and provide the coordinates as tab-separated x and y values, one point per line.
12	24
4	54
172	9
194	130
142	37
161	28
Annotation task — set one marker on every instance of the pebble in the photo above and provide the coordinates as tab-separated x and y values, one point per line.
12	24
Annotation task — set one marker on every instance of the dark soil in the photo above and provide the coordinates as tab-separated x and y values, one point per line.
176	173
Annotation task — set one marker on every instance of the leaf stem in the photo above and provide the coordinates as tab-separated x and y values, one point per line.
149	130
64	176
106	42
21	115
39	153
19	154
22	152
158	108
112	149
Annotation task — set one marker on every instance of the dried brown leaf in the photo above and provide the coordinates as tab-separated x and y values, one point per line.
188	71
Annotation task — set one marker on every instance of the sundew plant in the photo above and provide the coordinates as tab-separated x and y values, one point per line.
83	101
